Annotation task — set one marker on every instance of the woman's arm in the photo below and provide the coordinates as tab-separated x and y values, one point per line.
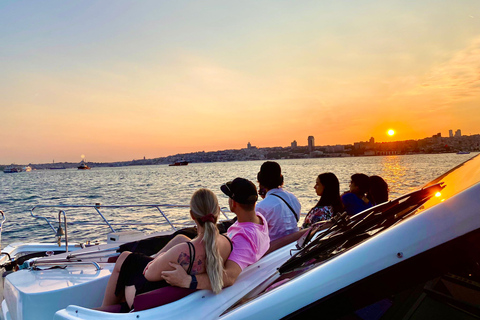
178	254
179	278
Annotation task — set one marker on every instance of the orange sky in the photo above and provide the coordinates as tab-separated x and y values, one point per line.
124	81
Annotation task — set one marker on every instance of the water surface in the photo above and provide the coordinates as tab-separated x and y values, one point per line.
19	192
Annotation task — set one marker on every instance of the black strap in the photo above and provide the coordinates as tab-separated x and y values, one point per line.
231	244
293	211
191	249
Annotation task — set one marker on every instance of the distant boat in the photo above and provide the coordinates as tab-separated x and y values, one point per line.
83	166
12	169
178	163
463	152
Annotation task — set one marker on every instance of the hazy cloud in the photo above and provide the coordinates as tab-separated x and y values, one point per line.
458	78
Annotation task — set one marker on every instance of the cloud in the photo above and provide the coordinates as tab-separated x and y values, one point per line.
456	79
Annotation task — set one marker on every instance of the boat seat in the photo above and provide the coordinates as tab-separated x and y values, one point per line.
112	259
151	299
283	241
160	297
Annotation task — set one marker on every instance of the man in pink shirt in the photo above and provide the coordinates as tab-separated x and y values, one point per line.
249	235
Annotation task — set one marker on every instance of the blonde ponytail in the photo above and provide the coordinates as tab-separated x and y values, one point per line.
205	203
214	260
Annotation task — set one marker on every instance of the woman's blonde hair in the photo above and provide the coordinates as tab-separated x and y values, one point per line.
203	203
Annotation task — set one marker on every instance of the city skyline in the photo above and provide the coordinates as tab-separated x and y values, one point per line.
310	146
127	80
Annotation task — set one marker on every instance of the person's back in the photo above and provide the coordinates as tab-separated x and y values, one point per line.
281	219
280	208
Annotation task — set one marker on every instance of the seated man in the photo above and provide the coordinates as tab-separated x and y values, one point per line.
249	235
280	208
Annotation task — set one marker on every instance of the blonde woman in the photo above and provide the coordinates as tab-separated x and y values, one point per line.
136	273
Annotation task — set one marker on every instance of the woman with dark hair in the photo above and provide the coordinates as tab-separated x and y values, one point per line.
136	273
356	200
378	192
328	188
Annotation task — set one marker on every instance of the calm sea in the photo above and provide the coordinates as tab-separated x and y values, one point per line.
19	192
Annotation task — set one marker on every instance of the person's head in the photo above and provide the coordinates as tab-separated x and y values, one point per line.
205	210
204	206
378	192
360	184
328	188
241	191
270	175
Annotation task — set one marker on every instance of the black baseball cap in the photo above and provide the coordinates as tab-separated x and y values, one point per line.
241	190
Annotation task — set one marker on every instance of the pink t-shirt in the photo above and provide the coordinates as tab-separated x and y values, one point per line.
250	241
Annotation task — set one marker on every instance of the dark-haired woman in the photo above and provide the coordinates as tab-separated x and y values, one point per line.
328	188
378	192
356	200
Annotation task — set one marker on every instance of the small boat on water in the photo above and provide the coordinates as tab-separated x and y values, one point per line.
414	257
13	169
83	166
178	163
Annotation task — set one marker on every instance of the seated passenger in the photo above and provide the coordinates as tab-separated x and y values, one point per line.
136	273
356	201
280	208
249	235
328	188
378	192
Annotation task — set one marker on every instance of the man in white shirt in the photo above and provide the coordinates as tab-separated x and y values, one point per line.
280	208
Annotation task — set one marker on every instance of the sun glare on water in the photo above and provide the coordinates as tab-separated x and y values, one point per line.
391	132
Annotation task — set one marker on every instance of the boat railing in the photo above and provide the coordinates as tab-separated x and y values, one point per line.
1	225
38	263
97	207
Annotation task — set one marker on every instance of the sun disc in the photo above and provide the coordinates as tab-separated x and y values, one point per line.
391	132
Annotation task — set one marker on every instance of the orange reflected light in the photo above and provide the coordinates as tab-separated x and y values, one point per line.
438	194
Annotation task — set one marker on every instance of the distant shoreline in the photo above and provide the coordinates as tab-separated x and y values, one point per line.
146	162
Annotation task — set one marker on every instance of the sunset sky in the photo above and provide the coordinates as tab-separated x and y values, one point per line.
120	80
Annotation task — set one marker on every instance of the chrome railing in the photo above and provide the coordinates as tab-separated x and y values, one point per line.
39	263
98	206
1	226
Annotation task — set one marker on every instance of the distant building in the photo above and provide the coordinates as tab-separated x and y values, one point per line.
294	144
311	143
372	140
249	145
458	133
450	133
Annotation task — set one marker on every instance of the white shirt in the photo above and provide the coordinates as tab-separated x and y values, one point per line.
280	219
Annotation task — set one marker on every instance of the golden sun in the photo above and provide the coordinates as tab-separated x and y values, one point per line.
391	132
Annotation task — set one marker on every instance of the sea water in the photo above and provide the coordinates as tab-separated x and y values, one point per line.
162	184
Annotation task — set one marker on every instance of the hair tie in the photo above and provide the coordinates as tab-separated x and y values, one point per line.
209	217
